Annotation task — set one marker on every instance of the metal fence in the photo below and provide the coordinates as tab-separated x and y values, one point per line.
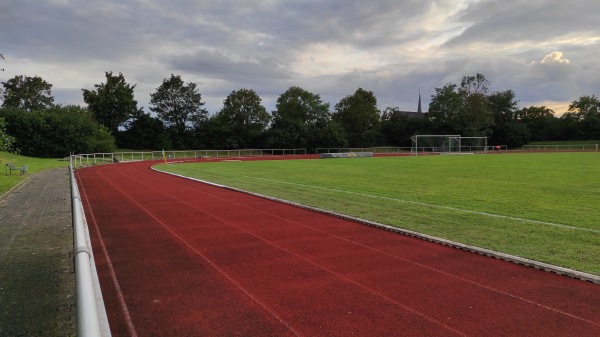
574	147
88	159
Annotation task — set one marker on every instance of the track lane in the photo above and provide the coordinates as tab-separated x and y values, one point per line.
331	286
167	289
296	259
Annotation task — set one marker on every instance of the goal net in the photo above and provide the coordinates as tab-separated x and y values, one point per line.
447	144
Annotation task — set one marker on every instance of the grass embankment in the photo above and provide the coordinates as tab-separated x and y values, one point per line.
34	165
539	206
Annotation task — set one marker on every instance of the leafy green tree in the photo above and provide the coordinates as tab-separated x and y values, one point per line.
540	121
570	128
112	103
303	120
6	140
216	133
144	133
299	105
463	110
179	106
245	117
359	116
472	85
506	129
445	109
586	110
503	105
27	93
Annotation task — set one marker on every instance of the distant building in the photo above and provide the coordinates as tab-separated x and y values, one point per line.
418	114
412	114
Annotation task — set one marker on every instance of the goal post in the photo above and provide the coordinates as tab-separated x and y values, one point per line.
447	144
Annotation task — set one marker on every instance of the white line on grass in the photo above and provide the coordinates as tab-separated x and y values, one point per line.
414	202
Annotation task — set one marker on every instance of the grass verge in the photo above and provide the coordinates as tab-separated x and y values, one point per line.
34	165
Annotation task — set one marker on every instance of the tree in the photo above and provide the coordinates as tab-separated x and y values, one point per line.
506	129
586	110
445	109
359	116
302	120
397	128
216	133
144	133
112	103
463	110
179	106
246	117
472	85
27	93
299	105
540	121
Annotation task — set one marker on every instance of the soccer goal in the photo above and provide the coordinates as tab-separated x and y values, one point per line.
447	144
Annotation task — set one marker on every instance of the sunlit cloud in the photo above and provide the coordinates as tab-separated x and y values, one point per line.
555	57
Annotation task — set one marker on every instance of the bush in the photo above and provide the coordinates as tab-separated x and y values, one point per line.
6	140
56	132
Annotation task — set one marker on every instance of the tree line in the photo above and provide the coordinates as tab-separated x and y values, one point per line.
32	123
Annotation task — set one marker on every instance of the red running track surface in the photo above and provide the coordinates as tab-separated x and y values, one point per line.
182	258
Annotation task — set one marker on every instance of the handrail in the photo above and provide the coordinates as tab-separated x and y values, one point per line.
562	147
91	314
87	159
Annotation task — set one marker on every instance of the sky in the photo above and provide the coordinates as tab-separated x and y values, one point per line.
546	51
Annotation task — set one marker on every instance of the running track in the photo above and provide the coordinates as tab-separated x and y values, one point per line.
182	258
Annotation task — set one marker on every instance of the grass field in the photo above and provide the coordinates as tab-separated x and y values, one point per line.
542	206
34	165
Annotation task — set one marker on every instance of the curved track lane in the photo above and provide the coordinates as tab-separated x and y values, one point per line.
182	258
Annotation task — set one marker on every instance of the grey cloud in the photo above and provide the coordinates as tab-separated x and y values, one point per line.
217	64
227	45
526	20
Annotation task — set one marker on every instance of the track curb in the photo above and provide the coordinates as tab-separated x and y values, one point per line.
473	249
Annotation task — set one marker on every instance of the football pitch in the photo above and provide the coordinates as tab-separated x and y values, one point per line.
541	206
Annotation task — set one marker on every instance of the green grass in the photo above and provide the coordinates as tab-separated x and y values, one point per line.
34	165
491	201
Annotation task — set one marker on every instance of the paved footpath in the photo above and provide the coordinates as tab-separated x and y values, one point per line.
37	280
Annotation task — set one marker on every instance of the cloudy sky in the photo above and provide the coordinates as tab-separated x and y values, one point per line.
546	51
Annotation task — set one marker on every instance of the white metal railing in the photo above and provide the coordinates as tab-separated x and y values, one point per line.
88	159
91	313
573	147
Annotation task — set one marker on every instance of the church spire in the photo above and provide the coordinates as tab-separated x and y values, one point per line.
419	110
